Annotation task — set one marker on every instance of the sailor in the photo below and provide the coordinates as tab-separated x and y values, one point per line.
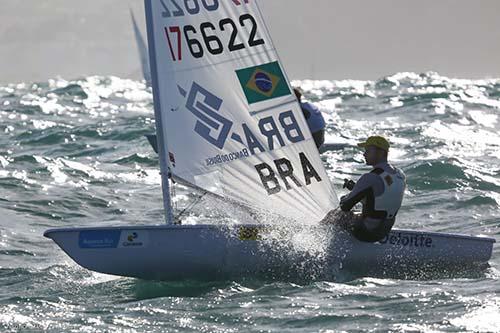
314	119
380	191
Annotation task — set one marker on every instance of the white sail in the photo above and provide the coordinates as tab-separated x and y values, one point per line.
228	114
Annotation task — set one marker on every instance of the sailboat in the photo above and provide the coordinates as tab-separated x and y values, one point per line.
228	124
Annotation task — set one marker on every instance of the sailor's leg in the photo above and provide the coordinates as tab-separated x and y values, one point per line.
344	220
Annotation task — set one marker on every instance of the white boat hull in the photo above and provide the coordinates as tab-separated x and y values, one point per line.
211	253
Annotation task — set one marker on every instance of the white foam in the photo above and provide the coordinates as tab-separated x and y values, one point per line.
481	317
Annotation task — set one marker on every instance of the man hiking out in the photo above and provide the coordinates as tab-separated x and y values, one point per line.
380	191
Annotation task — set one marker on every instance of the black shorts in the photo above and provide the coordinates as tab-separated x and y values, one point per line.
362	233
319	138
356	224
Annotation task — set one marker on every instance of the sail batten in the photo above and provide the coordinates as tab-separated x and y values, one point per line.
229	115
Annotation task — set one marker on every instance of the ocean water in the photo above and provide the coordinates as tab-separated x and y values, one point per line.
73	153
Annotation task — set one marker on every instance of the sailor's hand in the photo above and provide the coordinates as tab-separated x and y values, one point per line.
349	184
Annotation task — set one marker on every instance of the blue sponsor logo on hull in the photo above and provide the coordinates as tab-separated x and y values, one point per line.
99	239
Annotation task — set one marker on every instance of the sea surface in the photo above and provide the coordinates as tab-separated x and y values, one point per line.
73	153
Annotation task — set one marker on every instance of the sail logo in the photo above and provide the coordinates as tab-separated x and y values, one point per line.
268	133
211	126
263	82
273	132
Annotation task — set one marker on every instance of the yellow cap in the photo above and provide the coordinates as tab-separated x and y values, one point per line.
376	141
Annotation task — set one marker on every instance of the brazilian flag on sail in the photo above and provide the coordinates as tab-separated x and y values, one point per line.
263	82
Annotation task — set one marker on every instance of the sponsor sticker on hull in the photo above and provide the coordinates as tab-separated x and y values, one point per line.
249	233
134	239
408	240
112	239
99	239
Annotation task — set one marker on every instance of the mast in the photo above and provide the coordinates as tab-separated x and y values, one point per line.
162	143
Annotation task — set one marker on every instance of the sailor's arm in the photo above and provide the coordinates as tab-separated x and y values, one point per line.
359	192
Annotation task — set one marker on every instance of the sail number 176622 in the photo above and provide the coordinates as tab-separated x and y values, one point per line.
204	38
